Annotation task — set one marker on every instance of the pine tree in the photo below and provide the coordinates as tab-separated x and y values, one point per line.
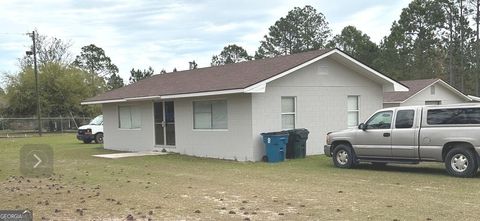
230	54
303	29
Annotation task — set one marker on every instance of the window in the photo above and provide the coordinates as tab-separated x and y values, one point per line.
129	117
210	114
97	120
288	113
433	102
432	90
453	116
404	119
381	120
352	107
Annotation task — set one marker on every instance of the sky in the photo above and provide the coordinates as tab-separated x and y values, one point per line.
167	34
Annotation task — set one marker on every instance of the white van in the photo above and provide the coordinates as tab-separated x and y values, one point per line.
92	132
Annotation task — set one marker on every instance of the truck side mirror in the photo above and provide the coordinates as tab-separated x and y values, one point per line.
362	126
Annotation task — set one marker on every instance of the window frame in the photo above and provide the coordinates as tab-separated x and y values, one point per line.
211	116
374	115
131	118
354	111
294	113
396	118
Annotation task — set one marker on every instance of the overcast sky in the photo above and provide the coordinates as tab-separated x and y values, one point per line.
170	33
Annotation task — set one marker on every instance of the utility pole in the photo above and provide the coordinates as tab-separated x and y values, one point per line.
477	44
462	36
34	52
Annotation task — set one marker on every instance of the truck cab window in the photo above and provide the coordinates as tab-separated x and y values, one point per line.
381	120
404	119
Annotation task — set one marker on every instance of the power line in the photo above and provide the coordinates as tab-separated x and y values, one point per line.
53	36
11	33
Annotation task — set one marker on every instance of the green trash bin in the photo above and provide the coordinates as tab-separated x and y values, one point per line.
297	143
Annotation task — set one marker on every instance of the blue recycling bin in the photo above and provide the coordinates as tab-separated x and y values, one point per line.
275	146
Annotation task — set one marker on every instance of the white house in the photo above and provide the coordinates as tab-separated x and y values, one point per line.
220	111
425	92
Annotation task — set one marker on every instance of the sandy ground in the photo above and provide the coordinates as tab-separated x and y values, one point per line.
175	187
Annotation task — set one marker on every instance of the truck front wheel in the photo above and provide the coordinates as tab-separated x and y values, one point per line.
343	156
99	138
461	162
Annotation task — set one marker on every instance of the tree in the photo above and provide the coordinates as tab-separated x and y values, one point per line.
137	75
456	34
62	89
458	39
303	29
355	43
49	50
231	54
389	53
475	4
434	39
3	101
114	82
94	60
414	48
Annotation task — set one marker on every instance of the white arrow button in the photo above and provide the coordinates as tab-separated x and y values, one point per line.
39	161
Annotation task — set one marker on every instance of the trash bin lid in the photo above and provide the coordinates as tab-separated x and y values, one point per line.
276	133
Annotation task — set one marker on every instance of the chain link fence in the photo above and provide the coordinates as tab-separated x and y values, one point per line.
29	125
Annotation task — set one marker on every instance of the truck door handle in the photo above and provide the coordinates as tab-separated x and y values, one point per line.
386	134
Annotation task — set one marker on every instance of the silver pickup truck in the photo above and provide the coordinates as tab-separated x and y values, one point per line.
442	133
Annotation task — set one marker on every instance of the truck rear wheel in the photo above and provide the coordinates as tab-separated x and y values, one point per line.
343	156
461	162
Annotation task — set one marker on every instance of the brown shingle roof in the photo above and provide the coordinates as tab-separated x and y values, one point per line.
226	77
414	87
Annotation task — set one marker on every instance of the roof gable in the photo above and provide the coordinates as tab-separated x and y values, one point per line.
417	86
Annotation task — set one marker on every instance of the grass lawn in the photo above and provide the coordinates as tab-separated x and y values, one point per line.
174	187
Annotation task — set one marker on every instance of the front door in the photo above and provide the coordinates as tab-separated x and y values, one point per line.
164	124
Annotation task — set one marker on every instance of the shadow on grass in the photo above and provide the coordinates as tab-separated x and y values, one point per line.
415	169
101	148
